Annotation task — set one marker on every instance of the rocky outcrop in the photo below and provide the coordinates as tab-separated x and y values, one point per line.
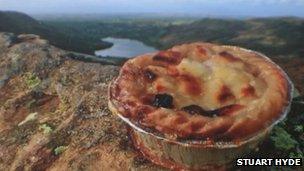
53	111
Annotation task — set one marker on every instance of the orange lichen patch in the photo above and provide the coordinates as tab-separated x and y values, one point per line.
248	91
192	85
170	57
225	94
229	57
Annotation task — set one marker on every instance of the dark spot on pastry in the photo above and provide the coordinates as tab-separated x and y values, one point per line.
163	100
195	109
225	94
192	85
226	110
248	91
149	75
229	56
201	50
170	57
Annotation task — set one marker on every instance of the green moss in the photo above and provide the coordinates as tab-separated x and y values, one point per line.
297	154
298	128
282	139
60	149
46	128
31	80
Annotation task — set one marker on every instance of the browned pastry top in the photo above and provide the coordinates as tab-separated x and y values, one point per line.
201	90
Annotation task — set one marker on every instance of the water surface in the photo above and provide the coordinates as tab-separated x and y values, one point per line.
124	48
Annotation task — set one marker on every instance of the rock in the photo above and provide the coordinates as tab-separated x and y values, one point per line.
67	95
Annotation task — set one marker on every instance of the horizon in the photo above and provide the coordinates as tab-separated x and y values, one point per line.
194	8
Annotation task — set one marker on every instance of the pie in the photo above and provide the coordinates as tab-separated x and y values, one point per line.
201	91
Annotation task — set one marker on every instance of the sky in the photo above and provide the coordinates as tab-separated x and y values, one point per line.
258	8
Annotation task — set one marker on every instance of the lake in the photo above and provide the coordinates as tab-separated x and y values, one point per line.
124	48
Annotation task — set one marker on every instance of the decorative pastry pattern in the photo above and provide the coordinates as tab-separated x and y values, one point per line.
201	90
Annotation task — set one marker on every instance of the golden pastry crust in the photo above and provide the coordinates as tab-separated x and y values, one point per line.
201	90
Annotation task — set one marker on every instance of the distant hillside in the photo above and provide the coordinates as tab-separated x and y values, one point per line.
273	36
68	39
276	37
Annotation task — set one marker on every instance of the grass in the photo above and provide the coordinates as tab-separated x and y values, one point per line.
46	129
60	149
31	80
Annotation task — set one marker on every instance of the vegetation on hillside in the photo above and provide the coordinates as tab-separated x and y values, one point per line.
67	38
282	37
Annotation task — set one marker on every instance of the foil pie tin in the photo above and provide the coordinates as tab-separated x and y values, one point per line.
197	154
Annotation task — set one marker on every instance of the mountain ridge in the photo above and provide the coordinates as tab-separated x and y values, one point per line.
274	36
20	23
